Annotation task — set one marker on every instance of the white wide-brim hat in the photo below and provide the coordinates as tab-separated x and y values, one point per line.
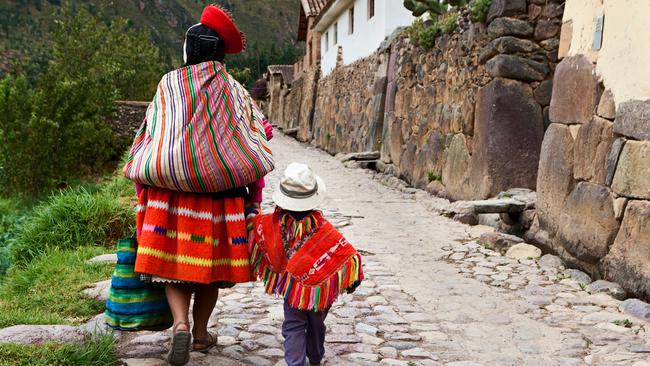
299	189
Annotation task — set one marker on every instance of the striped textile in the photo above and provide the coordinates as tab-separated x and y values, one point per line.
132	304
191	237
309	263
201	133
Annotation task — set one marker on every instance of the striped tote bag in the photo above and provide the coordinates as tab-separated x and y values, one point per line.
132	304
202	133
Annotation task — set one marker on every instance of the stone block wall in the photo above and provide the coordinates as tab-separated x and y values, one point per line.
348	114
291	108
593	184
277	102
430	112
305	108
466	119
593	187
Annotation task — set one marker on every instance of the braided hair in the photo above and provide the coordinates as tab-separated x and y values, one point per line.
202	44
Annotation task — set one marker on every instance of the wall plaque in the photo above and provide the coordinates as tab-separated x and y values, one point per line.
598	33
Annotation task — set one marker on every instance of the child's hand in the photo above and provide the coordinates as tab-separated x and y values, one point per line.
251	211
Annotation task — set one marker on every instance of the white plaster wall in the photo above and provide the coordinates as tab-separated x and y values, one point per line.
368	33
624	59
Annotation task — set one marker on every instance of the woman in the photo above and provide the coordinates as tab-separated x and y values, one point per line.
196	242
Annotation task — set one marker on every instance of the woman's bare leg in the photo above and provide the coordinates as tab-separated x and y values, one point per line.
178	297
205	298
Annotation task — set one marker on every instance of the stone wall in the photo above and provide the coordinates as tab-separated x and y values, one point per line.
593	184
465	120
304	111
349	114
430	112
276	90
594	174
127	120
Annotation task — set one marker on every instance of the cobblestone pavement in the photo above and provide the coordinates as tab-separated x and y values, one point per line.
433	295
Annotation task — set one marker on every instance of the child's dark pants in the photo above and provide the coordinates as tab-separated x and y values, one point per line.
304	335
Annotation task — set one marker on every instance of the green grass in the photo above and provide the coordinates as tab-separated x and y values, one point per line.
12	211
624	323
73	219
49	246
97	352
48	289
432	176
120	188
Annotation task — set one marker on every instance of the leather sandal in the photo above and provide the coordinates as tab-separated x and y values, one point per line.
179	351
209	343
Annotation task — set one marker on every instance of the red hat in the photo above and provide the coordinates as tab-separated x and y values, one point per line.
220	21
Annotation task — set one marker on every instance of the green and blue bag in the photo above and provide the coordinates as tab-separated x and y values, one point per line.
133	304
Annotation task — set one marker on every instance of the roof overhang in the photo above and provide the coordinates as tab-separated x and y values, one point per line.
303	23
330	13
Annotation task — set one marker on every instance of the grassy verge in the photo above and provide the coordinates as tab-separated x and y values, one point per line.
49	247
12	211
48	289
99	352
70	220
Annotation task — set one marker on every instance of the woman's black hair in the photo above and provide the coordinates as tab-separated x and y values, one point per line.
202	44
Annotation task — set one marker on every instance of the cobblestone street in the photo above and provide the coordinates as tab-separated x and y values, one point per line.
432	295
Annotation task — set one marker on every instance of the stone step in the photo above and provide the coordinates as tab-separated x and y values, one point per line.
360	156
98	291
494	206
513	201
293	132
104	258
39	334
501	205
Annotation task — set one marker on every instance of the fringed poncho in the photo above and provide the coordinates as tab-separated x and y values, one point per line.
307	262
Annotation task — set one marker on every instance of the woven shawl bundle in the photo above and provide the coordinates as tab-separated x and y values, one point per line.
324	267
202	133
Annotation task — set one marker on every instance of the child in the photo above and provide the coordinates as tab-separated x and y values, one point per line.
303	258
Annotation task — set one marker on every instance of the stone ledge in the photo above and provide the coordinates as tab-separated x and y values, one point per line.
39	334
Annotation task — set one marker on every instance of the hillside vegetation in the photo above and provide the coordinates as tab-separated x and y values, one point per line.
270	26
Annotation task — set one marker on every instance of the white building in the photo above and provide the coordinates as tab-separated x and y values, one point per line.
358	27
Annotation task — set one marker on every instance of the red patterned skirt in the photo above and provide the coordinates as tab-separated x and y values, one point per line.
192	237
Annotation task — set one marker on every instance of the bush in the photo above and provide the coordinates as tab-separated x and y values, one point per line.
123	59
433	7
95	352
478	10
70	220
56	132
424	35
449	23
25	142
244	75
259	91
48	289
11	217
